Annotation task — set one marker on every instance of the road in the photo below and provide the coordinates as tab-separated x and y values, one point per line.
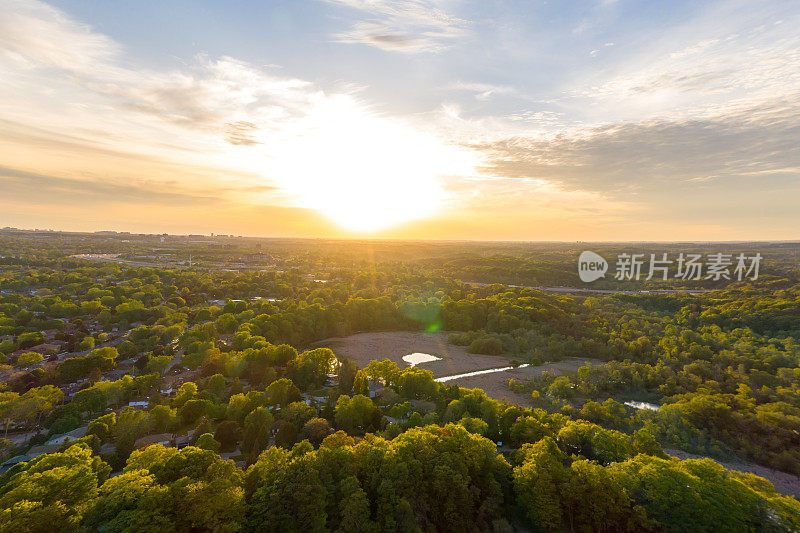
592	291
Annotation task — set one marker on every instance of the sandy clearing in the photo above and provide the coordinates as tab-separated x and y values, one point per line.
362	348
494	385
365	347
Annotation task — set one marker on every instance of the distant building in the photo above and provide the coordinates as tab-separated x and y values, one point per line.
165	439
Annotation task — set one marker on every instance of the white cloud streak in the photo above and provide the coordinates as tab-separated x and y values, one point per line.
409	26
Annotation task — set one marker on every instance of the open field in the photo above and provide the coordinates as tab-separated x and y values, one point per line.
365	347
494	384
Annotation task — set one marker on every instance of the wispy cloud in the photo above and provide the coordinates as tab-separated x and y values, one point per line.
36	34
484	91
42	189
409	26
729	155
727	55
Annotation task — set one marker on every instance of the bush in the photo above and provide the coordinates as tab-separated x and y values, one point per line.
487	345
29	358
207	442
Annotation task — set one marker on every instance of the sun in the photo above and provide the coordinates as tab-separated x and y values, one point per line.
364	171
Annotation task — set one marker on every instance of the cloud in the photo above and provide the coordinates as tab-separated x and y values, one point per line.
751	148
36	34
409	26
31	188
735	175
240	133
727	55
484	91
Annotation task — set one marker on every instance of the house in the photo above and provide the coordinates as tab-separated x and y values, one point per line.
36	451
107	449
45	348
165	439
374	386
117	373
184	440
75	434
312	400
50	334
14	461
139	404
230	455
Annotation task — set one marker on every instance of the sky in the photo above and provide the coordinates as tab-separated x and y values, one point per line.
603	120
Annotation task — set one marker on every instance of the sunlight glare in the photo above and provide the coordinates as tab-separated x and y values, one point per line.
364	171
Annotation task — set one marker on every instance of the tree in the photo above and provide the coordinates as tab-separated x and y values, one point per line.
298	413
593	442
127	349
131	424
29	358
417	383
206	441
282	392
216	385
473	425
337	440
119	498
384	370
354	506
286	434
293	502
186	392
354	414
536	483
238	407
256	434
86	344
316	429
311	368
527	429
103	427
228	434
166	489
162	418
561	388
158	364
593	500
361	383
28	407
52	489
194	409
347	373
9	405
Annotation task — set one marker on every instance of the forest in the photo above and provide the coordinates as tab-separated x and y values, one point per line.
179	384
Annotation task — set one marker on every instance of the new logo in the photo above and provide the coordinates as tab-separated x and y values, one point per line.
591	266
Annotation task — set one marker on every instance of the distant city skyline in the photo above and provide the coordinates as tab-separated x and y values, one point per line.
605	120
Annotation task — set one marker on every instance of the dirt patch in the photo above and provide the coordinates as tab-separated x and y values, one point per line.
362	348
365	347
785	484
494	384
